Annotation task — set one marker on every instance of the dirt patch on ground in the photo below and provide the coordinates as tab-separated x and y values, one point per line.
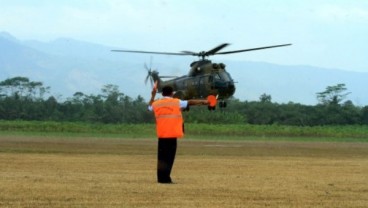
87	172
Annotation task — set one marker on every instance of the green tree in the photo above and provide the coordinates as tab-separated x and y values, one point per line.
264	98
364	113
23	88
333	94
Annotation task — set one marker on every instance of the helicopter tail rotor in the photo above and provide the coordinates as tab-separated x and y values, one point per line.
149	75
152	75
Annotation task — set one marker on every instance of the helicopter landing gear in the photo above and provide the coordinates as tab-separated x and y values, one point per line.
222	104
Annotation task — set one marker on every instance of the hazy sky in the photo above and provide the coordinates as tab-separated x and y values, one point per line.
325	33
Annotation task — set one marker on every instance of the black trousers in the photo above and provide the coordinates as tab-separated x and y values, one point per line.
165	158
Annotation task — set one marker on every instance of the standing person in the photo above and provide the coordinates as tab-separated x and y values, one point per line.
169	127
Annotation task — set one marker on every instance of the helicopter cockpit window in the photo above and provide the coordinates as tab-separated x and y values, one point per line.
225	76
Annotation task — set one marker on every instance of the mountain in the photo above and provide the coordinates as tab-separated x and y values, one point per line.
298	84
56	65
69	66
17	59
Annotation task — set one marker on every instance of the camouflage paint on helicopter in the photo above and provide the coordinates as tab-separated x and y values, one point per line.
204	78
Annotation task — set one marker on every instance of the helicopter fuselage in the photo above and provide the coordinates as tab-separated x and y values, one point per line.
204	78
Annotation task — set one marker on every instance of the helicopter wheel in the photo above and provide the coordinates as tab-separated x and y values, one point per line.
222	104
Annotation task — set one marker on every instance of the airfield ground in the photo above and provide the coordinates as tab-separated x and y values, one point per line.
91	172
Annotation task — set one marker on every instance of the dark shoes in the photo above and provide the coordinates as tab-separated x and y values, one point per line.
166	182
164	178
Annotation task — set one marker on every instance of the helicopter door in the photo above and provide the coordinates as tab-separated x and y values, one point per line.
202	88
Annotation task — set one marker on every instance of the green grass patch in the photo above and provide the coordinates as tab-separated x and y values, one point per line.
236	132
76	129
246	130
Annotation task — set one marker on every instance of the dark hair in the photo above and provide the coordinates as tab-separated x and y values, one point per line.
167	90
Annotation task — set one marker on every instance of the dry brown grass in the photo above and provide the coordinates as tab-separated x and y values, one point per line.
121	173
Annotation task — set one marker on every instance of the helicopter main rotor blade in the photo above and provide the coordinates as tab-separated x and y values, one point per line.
189	53
206	53
183	53
151	52
203	54
214	50
252	49
168	76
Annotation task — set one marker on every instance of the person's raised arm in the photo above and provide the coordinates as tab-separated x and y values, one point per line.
153	94
198	102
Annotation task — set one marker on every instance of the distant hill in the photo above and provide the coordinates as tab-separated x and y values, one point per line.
298	84
70	66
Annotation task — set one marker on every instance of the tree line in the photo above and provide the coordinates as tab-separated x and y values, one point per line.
23	99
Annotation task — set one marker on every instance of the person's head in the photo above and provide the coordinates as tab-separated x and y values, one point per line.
167	91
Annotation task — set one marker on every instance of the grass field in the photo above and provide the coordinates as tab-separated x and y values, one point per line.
111	172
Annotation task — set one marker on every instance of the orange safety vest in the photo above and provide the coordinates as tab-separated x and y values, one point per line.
169	121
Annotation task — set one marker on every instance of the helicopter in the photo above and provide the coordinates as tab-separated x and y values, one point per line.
204	79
